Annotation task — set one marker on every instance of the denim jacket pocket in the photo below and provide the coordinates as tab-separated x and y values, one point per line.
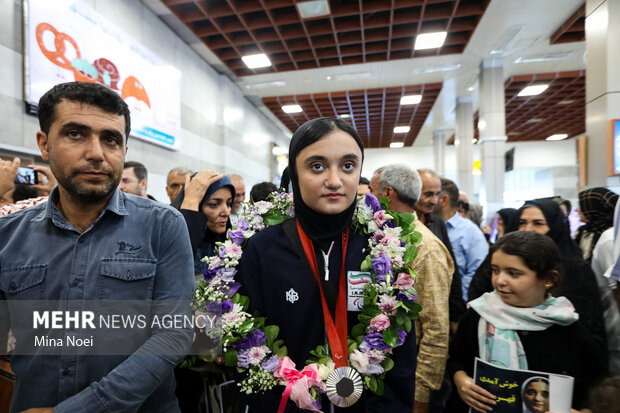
127	278
24	282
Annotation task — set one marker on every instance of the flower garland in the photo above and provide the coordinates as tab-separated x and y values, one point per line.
386	316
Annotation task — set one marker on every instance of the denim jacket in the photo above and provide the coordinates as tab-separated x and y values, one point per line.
136	250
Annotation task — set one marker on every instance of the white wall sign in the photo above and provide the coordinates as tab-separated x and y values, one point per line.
69	41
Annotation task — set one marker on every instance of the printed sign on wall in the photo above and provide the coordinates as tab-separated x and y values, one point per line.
69	41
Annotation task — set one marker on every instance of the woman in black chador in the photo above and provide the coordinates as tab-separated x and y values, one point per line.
325	162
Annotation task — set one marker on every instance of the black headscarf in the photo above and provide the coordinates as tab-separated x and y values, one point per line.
597	205
319	227
509	216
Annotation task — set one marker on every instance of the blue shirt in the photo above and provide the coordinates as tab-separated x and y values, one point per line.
469	246
137	250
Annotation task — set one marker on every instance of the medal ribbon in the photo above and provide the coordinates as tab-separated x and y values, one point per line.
337	333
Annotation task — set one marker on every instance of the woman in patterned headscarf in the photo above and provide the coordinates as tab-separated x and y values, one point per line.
596	208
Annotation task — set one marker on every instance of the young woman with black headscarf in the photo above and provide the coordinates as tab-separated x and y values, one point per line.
596	208
325	162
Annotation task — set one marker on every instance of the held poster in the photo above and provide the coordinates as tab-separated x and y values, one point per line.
524	391
67	41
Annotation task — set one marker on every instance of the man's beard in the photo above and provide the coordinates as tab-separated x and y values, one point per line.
72	184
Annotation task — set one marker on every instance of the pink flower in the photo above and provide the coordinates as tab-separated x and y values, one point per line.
257	354
379	322
404	281
359	361
375	356
387	304
233	249
379	218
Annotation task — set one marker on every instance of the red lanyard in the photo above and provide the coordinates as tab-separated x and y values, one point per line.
336	333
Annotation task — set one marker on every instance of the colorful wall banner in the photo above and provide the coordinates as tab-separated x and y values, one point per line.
68	41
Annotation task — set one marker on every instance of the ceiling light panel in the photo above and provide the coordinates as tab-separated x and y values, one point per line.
430	40
410	99
395	145
402	129
255	61
533	90
291	108
312	9
558	137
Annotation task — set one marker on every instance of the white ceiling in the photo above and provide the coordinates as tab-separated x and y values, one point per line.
536	20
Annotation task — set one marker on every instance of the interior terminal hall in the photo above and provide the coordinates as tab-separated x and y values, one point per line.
512	100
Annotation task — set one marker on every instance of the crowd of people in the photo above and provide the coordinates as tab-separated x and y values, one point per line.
521	293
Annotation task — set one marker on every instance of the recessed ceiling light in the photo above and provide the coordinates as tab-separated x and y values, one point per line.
430	40
534	120
543	58
291	108
395	145
350	76
533	90
445	68
474	140
401	129
315	8
566	102
276	83
505	40
557	137
410	99
254	61
345	116
514	133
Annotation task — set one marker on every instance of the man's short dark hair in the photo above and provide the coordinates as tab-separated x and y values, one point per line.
88	93
138	169
449	188
363	181
261	191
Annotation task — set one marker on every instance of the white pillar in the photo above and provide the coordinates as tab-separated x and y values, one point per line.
602	85
439	145
463	136
492	127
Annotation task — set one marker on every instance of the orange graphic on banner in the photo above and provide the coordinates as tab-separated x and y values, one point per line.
101	70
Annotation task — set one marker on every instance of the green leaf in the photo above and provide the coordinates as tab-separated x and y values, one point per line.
230	358
379	391
352	346
271	218
410	253
408	326
358	329
282	351
390	336
371	383
366	264
416	237
271	332
364	319
371	310
246	326
401	317
387	364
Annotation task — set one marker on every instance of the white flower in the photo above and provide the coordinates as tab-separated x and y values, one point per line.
257	354
372	226
359	361
326	369
263	206
364	213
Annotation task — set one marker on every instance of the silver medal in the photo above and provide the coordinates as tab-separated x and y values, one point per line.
344	387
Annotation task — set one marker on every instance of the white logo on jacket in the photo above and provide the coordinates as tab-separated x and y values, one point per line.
292	296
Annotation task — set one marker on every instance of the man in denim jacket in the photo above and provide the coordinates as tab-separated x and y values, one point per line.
91	243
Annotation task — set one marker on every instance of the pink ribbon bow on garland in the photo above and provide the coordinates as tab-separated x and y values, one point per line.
298	384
